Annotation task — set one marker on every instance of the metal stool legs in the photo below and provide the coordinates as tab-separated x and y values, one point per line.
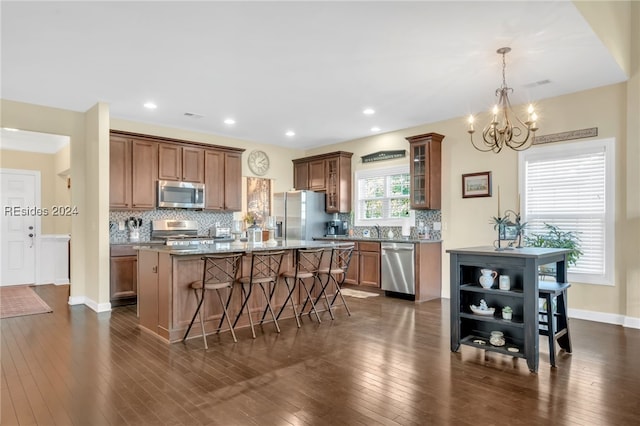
265	270
220	272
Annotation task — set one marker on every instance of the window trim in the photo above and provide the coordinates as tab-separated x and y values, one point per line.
377	172
548	151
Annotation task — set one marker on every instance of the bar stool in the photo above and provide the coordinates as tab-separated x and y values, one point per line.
307	265
220	272
336	272
557	324
265	270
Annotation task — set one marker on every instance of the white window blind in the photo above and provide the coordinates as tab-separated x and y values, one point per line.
571	186
382	196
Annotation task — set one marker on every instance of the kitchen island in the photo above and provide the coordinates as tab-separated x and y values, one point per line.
166	303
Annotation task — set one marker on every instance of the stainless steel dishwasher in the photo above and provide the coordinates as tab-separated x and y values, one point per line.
398	268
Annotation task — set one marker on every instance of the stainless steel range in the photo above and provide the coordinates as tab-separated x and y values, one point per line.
179	233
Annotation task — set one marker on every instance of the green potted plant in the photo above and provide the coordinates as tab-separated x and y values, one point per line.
554	237
507	312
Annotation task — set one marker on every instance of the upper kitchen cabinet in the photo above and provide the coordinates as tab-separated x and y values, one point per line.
300	174
425	168
180	163
132	173
223	180
329	173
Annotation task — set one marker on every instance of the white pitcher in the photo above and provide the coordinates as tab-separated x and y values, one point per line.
487	277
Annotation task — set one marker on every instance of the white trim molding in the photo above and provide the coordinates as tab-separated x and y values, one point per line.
617	319
83	300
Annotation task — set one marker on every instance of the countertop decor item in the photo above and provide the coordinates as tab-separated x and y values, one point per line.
505	127
497	338
482	309
507	312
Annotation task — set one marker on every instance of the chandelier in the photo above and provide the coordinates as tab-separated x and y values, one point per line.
505	128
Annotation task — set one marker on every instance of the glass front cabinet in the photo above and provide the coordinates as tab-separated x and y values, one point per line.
425	167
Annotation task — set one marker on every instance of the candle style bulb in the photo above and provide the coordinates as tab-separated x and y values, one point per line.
470	123
495	113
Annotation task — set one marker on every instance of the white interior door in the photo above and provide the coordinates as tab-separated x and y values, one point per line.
20	221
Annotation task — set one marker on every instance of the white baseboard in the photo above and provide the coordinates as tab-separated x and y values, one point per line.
604	317
62	281
82	300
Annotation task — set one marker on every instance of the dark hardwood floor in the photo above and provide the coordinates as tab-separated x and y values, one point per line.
389	364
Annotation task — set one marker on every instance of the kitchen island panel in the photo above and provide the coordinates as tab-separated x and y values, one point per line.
167	302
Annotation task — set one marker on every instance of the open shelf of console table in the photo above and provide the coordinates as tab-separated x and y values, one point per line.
522	266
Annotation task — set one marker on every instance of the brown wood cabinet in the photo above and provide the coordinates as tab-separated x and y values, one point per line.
119	173
137	161
364	268
223	180
329	173
425	168
132	173
369	264
123	275
300	175
180	163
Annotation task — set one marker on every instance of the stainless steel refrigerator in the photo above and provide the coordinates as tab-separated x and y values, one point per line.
300	215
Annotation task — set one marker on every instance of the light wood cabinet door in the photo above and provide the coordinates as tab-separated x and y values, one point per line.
233	181
119	173
124	279
301	175
353	273
193	164
214	180
144	174
317	175
369	261
170	162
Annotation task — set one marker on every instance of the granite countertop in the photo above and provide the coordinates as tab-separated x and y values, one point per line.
379	240
229	247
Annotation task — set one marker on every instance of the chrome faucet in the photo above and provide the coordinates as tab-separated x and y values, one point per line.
377	230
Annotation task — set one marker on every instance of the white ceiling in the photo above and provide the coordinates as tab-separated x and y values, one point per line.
310	67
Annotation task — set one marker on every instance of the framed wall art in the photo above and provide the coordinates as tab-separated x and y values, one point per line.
476	185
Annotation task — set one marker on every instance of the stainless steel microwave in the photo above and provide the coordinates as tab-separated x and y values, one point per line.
180	195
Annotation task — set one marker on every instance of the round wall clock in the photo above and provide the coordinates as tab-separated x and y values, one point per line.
258	162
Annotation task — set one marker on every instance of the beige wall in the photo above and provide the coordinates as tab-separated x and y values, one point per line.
53	183
466	221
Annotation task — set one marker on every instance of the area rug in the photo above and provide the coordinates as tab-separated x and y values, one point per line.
21	300
357	293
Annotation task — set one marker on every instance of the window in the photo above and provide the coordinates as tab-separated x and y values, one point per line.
382	196
572	186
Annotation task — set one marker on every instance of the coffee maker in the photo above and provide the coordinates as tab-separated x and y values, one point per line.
337	228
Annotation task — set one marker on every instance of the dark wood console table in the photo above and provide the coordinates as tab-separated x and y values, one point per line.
522	266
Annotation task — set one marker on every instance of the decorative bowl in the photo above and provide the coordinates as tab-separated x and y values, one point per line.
476	310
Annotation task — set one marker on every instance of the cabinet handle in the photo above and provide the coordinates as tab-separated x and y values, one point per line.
154	269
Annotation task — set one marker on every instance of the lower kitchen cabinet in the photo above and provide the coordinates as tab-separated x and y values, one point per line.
369	262
364	268
124	275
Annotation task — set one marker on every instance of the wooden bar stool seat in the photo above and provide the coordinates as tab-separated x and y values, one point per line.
220	273
264	273
555	325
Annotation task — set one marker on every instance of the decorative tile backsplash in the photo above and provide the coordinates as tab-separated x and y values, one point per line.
206	220
427	216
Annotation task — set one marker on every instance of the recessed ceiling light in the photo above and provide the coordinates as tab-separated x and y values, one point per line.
229	121
290	133
10	129
368	111
375	129
150	105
